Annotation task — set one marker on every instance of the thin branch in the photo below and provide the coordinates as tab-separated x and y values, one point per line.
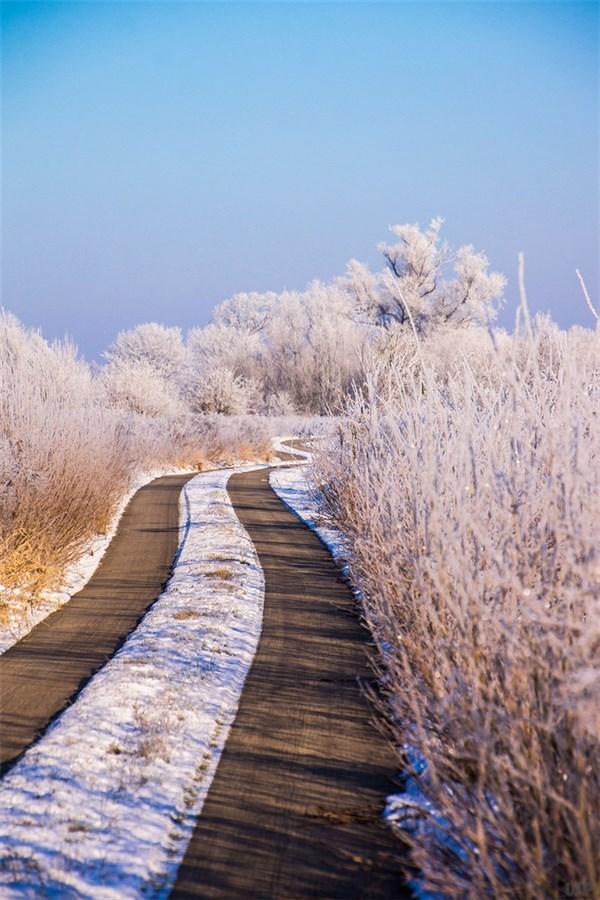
523	295
586	295
392	264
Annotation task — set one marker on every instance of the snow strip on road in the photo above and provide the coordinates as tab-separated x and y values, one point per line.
104	804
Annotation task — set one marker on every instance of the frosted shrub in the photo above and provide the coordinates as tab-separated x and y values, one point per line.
62	463
139	387
279	404
156	346
206	441
222	391
470	495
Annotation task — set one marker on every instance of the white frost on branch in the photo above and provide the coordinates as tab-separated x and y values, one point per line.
138	387
414	284
156	345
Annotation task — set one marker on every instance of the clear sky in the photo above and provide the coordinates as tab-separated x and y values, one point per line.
159	157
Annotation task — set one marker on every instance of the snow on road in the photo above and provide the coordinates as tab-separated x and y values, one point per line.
105	803
292	486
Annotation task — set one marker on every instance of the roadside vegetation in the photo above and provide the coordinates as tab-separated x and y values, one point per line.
465	478
70	450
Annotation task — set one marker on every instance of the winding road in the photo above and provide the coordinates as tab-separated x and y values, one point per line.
294	810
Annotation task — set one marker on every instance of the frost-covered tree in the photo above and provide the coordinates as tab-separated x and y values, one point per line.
414	287
220	390
137	386
225	346
308	348
299	351
246	312
313	347
220	374
233	343
155	345
145	367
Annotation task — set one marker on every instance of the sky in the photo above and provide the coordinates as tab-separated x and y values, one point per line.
159	157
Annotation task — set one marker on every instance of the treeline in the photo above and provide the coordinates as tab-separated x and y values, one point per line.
303	351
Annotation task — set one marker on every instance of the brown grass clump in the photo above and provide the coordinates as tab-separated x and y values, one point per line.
220	573
185	614
468	484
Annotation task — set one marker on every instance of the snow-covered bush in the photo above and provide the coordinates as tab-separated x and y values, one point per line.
469	493
156	346
222	391
279	403
63	461
138	387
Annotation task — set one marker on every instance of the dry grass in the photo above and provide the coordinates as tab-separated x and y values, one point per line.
185	614
222	573
468	483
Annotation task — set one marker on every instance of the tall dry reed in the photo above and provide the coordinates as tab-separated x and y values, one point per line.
467	481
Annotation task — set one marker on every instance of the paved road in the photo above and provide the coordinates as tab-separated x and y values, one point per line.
45	671
294	809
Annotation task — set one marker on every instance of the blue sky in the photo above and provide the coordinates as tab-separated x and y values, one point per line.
159	157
